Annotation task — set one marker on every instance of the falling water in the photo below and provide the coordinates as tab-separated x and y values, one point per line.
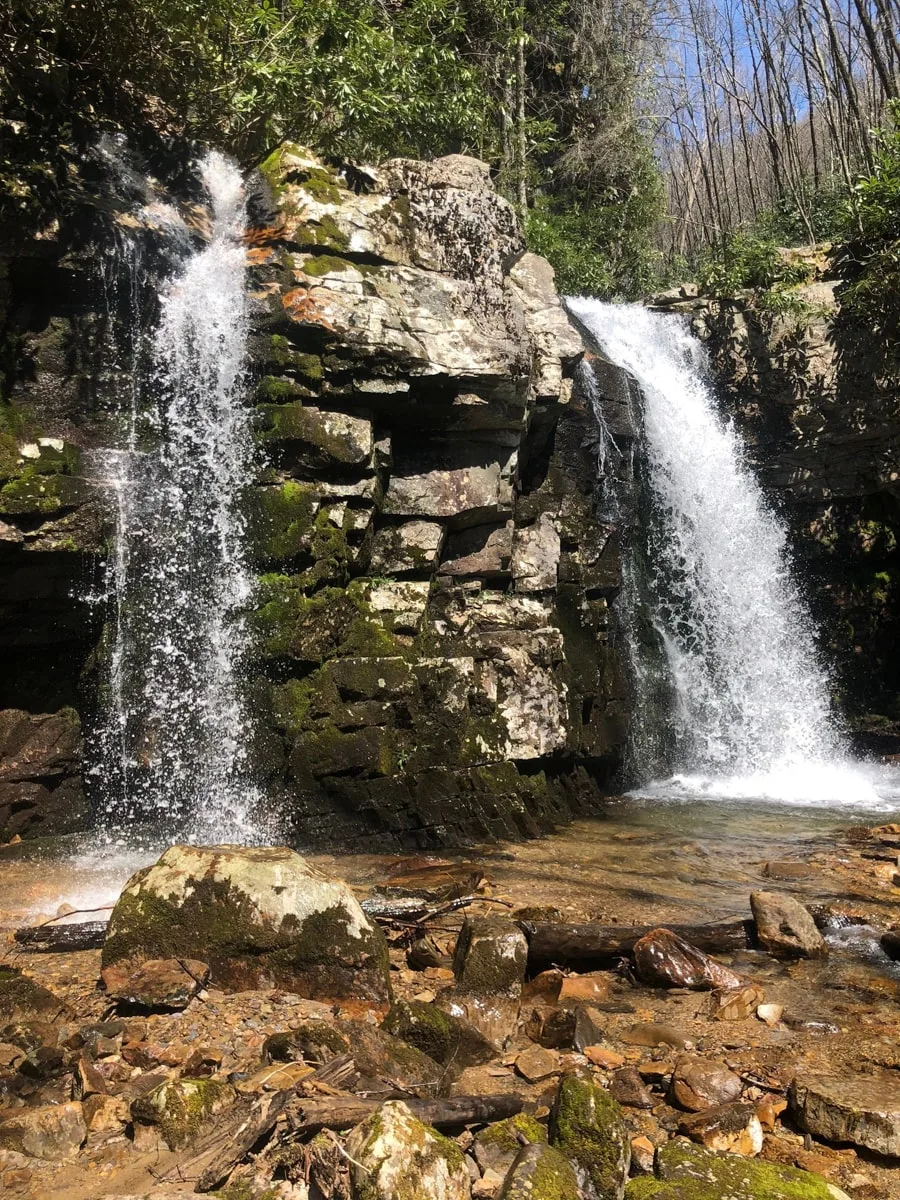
173	747
750	708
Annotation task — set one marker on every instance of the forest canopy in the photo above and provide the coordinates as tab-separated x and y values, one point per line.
639	138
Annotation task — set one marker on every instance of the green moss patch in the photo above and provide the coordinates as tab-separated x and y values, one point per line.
689	1172
590	1128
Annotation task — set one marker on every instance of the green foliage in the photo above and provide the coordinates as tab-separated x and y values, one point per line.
602	245
747	259
869	259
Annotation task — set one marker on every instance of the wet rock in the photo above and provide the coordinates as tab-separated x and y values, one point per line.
449	1040
862	1109
41	791
584	989
589	1127
393	1155
651	1034
663	959
489	965
731	1128
737	1005
496	1147
590	1026
260	916
51	1132
699	1083
689	1172
890	944
22	999
785	927
160	983
627	1088
179	1107
787	869
540	1172
553	1028
424	953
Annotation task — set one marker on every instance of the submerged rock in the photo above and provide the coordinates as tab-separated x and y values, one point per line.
589	1127
862	1109
394	1156
785	927
259	916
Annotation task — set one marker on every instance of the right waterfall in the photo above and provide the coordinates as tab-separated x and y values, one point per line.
748	712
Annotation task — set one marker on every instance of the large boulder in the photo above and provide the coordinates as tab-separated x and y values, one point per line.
259	916
785	927
862	1109
590	1128
394	1156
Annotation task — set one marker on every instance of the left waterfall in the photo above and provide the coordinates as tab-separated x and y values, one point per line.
173	742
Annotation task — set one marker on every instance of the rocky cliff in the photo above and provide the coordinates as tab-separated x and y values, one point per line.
818	399
432	659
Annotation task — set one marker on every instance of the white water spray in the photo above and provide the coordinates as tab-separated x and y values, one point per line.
174	747
751	706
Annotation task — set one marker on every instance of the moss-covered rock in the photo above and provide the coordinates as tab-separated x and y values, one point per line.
320	438
394	1156
180	1107
540	1172
497	1147
689	1172
590	1128
490	957
260	916
334	622
281	520
310	1042
392	1063
446	1038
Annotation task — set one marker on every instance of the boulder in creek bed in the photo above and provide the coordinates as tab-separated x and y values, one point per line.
260	916
785	928
50	1131
862	1109
394	1156
700	1083
540	1172
449	1040
688	1172
589	1127
663	959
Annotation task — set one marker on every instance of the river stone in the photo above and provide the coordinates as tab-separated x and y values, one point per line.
540	1172
862	1109
698	1083
688	1172
393	1155
260	916
590	1128
50	1131
164	983
664	959
785	927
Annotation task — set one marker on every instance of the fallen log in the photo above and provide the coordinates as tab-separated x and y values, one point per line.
586	947
87	935
447	1113
234	1134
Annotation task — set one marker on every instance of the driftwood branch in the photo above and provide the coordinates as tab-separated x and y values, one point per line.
584	947
448	1113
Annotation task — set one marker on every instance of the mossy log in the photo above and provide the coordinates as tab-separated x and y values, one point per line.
586	947
63	939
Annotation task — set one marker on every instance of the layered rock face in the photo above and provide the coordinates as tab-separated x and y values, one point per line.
819	402
431	659
433	616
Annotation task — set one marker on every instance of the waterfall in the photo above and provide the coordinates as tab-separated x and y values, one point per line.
172	746
749	714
